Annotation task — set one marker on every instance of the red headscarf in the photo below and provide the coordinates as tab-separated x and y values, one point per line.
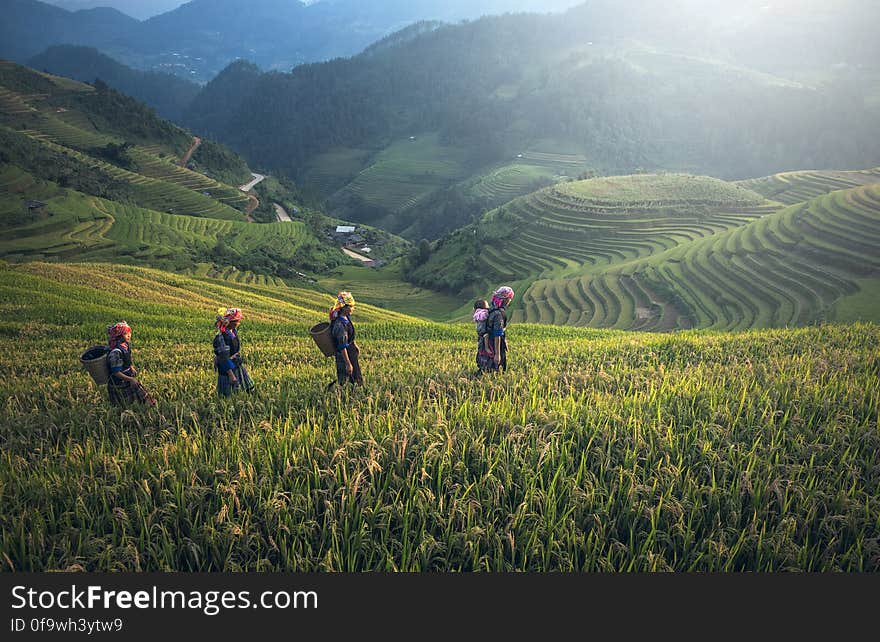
116	333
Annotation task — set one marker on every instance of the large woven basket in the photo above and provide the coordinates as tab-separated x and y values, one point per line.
321	335
94	360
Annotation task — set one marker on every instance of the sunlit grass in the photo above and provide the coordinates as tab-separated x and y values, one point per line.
599	450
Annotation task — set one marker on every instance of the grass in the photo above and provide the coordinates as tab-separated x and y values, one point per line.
599	451
77	227
386	289
407	171
663	188
331	170
861	306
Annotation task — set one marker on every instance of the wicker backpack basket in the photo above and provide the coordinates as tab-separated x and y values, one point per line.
321	335
94	360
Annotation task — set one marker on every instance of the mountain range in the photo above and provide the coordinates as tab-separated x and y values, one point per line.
198	39
383	136
140	9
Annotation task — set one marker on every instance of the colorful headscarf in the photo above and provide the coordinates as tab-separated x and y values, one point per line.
502	295
116	332
227	315
342	299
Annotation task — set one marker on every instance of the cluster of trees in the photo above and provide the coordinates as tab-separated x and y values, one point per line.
169	95
66	171
220	163
116	113
312	255
116	154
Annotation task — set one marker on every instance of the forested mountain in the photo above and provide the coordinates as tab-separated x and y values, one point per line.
29	27
201	37
169	95
210	111
575	84
140	9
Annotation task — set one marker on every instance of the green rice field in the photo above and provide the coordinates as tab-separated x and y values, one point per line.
599	450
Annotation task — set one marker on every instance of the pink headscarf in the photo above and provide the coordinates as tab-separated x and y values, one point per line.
502	295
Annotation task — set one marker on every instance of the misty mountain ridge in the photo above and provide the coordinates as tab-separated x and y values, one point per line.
168	94
579	87
198	39
140	9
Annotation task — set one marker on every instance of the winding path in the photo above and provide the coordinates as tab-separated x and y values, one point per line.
355	255
192	148
253	201
247	187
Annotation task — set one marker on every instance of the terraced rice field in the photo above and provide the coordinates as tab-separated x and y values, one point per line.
333	169
155	194
12	105
796	187
561	230
597	451
81	227
510	181
159	183
149	164
406	172
793	267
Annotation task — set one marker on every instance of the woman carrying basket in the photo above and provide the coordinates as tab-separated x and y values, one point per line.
122	386
231	373
348	368
496	327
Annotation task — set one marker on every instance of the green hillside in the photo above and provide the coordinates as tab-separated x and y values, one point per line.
76	227
87	174
667	252
810	262
56	127
588	224
515	102
599	451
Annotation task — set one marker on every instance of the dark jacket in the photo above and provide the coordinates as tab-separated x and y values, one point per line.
226	344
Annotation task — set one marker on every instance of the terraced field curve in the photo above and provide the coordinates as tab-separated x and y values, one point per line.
790	268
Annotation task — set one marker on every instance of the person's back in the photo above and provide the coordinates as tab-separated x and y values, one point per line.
484	348
123	387
348	368
496	326
232	375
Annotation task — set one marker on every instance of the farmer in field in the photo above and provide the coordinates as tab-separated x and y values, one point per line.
484	341
122	385
341	329
232	376
496	327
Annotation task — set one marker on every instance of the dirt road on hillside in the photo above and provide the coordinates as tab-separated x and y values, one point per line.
282	214
192	148
247	187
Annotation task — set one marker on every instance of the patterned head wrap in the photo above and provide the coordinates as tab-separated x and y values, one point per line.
502	295
342	299
226	315
116	332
